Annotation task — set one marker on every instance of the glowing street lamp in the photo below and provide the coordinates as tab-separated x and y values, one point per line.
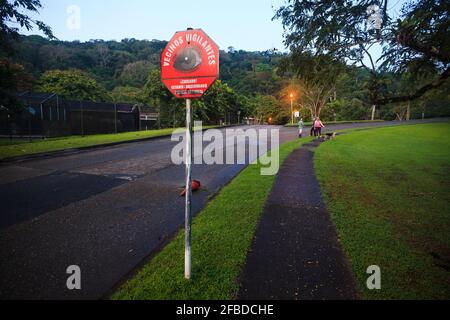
292	107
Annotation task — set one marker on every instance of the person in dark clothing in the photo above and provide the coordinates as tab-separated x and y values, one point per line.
313	129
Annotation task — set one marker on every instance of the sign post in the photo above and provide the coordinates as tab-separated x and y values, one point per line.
188	211
189	66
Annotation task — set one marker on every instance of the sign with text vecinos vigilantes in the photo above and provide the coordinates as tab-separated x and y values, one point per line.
190	64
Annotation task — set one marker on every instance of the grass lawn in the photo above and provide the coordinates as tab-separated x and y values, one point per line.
222	234
9	142
24	148
388	191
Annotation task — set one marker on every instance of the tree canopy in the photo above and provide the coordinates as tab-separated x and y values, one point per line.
72	84
416	40
13	15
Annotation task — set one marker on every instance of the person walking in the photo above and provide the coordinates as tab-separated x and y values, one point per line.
313	128
301	126
318	125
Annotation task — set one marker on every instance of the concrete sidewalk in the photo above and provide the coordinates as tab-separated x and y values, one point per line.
296	253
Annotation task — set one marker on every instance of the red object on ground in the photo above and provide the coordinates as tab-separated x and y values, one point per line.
190	64
195	187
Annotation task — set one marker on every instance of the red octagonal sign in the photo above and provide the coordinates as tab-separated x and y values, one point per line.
190	64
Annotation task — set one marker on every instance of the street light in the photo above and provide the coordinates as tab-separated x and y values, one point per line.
292	108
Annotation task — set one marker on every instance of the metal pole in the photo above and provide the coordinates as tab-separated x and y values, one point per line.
292	110
188	216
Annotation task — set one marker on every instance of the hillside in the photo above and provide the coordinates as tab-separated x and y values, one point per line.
128	62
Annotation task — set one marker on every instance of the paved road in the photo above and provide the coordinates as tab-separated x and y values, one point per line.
104	210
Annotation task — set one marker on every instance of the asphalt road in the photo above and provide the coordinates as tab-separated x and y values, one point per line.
105	210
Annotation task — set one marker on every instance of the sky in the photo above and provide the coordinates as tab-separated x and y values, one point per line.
242	24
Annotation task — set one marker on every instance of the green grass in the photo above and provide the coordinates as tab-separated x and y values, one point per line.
24	148
15	141
289	125
388	192
222	235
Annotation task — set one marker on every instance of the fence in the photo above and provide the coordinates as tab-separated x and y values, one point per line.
50	115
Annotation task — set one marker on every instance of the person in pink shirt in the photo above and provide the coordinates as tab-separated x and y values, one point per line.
318	125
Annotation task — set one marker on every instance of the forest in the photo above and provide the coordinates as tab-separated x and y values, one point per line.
255	85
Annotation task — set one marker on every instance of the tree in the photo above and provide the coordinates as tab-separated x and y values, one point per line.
13	78
157	95
219	103
419	43
12	16
269	109
349	29
72	84
103	54
343	109
316	79
127	94
136	73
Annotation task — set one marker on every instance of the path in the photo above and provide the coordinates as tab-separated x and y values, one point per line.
296	253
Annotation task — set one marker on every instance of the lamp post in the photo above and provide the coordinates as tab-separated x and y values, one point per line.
292	108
